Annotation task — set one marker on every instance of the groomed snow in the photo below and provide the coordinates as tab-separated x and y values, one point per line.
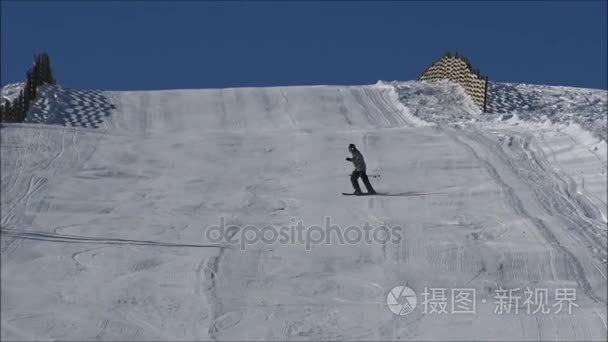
104	230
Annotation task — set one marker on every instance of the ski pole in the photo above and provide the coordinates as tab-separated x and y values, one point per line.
372	176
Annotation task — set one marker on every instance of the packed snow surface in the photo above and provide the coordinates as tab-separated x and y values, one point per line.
109	198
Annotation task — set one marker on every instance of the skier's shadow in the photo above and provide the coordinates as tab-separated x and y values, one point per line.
408	193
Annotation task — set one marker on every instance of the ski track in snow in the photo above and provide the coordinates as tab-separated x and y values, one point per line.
103	230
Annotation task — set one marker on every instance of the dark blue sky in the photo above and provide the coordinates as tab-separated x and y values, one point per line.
194	44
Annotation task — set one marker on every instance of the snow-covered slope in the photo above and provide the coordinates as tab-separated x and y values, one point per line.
106	211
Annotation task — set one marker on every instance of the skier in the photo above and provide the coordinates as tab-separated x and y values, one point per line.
359	163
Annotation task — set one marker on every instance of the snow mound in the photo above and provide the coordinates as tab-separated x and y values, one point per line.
445	102
69	107
11	91
441	102
556	105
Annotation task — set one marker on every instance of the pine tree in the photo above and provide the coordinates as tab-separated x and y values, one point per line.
4	110
10	112
7	112
42	67
36	77
34	86
41	70
19	113
39	74
30	88
50	78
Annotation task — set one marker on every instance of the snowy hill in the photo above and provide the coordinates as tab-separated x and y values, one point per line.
109	198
